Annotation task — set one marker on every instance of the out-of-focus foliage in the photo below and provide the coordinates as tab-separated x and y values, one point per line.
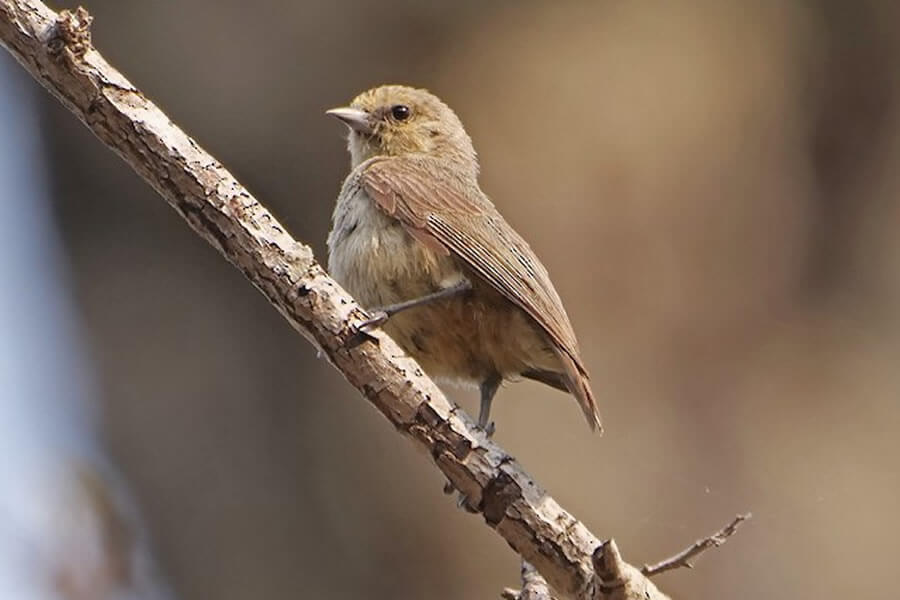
712	185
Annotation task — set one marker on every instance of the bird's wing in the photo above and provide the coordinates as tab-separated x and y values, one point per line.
447	210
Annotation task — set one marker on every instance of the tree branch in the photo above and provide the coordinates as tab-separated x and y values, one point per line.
56	49
682	559
534	587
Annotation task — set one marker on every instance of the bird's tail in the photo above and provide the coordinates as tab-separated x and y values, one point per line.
579	386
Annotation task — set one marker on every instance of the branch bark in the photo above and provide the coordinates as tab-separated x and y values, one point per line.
56	49
534	587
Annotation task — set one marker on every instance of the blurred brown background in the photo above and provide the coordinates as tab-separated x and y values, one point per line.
712	185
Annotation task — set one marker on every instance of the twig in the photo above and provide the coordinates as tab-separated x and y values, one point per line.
56	50
682	559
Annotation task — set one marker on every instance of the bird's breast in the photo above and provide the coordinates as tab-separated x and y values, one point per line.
376	259
465	338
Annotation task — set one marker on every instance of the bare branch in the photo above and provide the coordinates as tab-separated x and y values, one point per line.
56	49
682	559
615	579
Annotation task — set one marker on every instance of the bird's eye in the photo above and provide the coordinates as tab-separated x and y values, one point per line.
400	112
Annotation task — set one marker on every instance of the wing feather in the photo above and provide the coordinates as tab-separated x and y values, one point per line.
436	203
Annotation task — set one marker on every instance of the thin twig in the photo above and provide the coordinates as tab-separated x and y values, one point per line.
682	559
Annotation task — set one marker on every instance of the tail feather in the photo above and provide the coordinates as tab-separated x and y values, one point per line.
579	386
552	378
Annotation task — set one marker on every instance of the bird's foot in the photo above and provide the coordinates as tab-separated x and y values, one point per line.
488	430
378	318
360	330
462	501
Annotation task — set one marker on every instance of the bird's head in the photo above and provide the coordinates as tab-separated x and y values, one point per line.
395	120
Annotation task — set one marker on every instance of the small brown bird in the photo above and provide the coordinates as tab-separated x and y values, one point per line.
417	242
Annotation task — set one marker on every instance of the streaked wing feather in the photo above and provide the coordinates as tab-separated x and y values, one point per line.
425	195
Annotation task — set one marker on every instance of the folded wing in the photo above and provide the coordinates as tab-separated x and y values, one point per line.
441	208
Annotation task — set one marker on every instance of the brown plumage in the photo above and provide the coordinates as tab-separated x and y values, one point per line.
411	220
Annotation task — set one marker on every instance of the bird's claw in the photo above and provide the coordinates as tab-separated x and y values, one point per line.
488	430
462	501
378	318
360	330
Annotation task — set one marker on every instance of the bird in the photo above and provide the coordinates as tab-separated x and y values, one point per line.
433	262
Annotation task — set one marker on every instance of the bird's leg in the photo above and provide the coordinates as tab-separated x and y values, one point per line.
488	389
381	315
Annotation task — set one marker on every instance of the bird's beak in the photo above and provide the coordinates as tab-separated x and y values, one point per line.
355	119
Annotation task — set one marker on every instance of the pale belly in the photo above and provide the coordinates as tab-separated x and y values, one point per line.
467	338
